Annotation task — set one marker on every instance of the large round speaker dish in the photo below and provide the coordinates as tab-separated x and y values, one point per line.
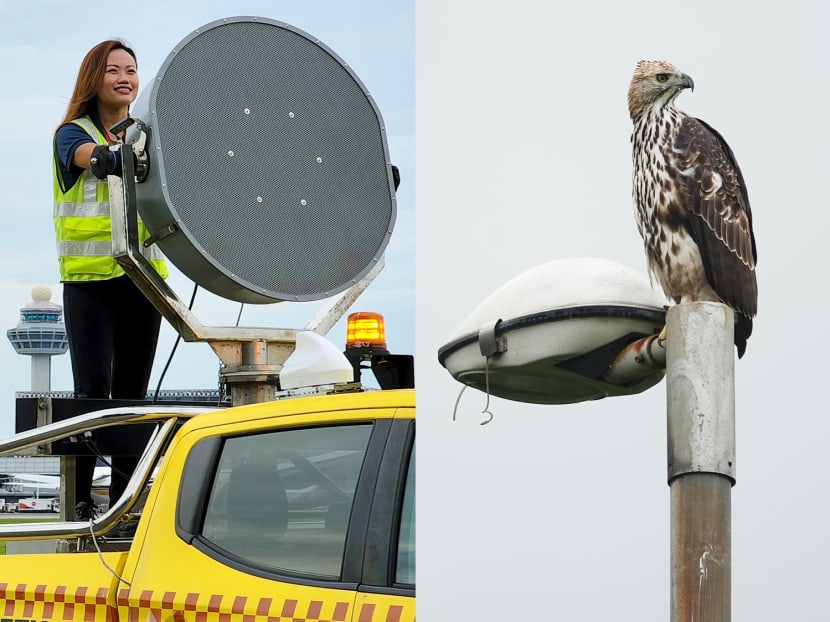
270	177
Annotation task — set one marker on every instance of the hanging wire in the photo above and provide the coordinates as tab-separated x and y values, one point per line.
457	400
101	557
239	317
93	447
486	410
173	350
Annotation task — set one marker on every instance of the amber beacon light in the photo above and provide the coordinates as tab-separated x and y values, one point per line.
365	329
366	349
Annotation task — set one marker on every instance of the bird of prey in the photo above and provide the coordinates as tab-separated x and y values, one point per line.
690	200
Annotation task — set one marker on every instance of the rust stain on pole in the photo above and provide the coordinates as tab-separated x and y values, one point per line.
701	544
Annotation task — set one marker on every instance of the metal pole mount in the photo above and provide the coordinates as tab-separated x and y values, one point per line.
700	377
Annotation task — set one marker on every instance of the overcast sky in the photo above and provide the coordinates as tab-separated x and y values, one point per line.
562	512
548	512
41	47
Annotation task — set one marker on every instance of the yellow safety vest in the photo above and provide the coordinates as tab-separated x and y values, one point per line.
82	225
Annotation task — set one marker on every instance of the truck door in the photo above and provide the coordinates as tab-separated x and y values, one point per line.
387	592
268	521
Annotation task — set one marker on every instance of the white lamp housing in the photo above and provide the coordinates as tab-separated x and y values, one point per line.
549	335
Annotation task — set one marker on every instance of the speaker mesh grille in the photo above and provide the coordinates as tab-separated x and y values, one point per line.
273	158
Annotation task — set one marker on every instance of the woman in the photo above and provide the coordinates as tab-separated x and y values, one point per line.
112	328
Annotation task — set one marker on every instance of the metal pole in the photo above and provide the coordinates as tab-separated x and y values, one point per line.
701	459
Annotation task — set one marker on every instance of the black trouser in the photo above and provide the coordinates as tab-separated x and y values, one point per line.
113	331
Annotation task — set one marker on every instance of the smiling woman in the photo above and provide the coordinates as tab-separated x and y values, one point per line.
112	328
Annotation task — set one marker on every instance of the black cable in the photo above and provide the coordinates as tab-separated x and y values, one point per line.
173	350
93	447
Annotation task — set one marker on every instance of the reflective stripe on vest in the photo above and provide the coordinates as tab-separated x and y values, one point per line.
86	249
83	229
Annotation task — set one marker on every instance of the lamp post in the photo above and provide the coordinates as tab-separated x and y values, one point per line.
700	389
583	329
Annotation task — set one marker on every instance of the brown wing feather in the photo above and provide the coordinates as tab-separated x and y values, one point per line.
719	218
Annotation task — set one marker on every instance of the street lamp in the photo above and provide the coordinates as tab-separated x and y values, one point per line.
552	334
584	329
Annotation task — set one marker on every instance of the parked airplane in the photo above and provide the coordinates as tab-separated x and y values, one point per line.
45	484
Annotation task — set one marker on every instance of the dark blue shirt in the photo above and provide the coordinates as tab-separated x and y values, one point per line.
67	140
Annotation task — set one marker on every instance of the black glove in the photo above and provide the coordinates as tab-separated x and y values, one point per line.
103	162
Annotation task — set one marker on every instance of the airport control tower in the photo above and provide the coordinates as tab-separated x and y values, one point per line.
40	334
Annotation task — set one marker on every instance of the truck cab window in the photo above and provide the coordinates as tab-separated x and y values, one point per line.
282	500
405	569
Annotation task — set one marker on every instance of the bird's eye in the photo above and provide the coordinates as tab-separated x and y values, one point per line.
662	77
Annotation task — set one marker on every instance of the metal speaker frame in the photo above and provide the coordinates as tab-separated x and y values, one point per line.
270	177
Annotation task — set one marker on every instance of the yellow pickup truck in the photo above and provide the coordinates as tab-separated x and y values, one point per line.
300	509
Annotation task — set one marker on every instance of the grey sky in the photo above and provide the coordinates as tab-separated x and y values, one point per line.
41	47
562	512
524	157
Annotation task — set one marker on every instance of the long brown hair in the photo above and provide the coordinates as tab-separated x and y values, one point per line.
90	77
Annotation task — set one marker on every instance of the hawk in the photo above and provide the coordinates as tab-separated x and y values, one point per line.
690	200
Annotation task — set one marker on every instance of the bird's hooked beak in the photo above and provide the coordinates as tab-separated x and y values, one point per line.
686	82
